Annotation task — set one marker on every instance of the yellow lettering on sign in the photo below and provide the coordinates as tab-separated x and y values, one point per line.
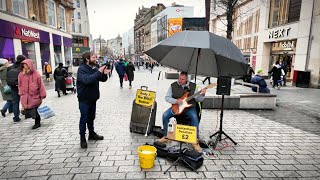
186	134
145	98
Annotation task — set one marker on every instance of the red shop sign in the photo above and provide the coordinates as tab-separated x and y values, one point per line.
26	33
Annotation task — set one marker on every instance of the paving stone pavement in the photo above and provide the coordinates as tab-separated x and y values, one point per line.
267	149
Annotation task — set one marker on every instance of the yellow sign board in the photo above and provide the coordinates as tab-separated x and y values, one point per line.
186	134
145	98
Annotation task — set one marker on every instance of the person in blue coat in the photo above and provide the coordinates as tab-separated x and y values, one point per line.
257	79
121	70
88	78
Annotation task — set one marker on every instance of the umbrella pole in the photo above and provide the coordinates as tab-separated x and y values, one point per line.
195	77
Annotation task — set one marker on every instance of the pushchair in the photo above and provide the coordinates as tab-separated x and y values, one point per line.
70	83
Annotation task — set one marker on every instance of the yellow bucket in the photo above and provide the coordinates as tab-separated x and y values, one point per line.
147	155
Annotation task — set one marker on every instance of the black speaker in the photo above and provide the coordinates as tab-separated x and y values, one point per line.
224	85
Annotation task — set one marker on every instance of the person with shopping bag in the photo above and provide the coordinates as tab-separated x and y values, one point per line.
31	90
130	73
121	70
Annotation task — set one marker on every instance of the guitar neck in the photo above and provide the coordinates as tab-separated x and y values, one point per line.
194	95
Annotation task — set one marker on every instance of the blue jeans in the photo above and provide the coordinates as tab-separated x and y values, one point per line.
191	112
8	106
88	114
15	102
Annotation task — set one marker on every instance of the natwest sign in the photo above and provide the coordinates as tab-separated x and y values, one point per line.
26	33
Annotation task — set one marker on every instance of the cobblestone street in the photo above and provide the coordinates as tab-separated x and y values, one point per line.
283	143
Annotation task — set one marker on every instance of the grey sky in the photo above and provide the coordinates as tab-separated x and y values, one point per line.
112	17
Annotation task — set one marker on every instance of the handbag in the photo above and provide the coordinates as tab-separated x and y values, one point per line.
6	89
45	112
125	77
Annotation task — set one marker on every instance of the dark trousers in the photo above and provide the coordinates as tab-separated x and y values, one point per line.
130	83
15	103
205	79
121	80
88	114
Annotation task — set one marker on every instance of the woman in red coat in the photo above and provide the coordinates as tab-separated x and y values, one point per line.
31	90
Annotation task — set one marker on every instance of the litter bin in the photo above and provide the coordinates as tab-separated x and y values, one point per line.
301	78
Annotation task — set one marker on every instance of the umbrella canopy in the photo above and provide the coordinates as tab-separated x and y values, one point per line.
200	53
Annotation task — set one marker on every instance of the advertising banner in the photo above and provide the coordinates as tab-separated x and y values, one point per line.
174	25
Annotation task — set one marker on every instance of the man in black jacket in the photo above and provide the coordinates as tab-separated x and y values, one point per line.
12	80
88	78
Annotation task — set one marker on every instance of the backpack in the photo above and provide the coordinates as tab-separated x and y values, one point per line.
12	76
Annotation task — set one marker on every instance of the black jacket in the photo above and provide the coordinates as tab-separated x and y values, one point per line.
129	71
88	83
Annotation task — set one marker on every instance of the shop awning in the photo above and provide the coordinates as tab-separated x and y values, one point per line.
56	39
67	42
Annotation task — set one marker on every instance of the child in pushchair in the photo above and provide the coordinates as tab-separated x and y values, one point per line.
70	83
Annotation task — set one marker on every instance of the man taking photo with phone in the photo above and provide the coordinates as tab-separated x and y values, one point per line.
88	78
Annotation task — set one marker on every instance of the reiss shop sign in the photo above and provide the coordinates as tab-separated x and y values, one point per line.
26	33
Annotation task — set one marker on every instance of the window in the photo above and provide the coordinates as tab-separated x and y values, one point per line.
80	30
278	12
3	4
19	7
79	15
78	3
62	20
52	13
294	10
73	27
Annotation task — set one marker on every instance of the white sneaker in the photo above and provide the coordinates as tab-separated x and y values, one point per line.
130	87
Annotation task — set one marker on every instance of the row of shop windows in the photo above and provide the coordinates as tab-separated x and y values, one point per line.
28	49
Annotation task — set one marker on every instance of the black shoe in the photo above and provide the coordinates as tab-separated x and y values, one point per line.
95	136
36	126
16	120
83	142
3	113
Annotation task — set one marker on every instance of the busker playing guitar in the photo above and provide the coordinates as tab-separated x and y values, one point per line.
175	96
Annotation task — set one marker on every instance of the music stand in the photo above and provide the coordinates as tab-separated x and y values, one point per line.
223	88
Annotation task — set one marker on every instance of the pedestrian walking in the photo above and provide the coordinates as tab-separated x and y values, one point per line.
59	76
276	75
47	71
31	90
284	66
151	66
121	70
130	73
5	92
12	80
205	79
88	78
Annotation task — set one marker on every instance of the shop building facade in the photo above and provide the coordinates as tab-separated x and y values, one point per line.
42	35
277	30
80	30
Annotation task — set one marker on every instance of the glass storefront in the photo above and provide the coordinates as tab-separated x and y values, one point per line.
57	55
283	51
45	53
28	49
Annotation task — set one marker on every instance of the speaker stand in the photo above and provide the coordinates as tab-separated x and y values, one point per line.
221	132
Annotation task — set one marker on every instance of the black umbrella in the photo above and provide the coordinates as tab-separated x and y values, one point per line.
200	53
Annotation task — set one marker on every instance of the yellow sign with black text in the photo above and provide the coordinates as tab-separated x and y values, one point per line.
186	134
145	98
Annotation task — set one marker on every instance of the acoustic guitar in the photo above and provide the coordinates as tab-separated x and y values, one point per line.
178	109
